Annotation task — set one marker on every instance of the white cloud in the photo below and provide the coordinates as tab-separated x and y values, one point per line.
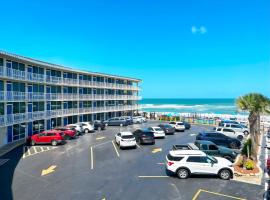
202	30
193	29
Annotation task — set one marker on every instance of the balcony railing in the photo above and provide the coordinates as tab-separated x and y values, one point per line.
34	96
10	119
15	96
16	74
35	77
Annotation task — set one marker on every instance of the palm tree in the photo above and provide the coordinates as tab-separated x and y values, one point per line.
256	104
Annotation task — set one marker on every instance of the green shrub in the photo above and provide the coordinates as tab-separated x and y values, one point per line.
247	146
249	165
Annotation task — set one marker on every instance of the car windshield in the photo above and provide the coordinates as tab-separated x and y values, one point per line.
167	126
158	129
148	134
127	136
212	158
180	123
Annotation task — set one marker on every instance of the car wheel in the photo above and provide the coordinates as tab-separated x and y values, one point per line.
225	174
54	143
86	131
233	145
240	137
246	133
182	173
33	142
154	143
135	147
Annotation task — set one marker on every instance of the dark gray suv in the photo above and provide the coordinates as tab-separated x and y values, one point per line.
116	121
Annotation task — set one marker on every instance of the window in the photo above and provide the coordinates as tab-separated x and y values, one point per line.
194	159
204	147
50	134
219	129
213	147
1	86
227	125
228	130
174	158
1	62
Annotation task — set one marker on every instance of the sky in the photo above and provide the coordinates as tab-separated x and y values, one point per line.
180	49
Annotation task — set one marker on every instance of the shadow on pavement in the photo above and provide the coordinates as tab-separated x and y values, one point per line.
7	172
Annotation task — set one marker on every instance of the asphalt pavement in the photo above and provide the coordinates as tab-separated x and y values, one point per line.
93	167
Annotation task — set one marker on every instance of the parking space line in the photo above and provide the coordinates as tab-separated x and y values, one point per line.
153	176
92	158
138	146
115	149
215	193
35	151
197	194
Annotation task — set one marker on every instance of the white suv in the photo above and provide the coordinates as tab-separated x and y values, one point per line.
187	162
236	127
158	132
77	127
230	132
125	139
179	126
138	119
86	126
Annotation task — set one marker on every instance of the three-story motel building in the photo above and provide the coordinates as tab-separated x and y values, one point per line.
37	96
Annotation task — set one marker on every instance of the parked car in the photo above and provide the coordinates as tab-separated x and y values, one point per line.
116	121
138	119
230	132
236	127
219	139
68	131
78	128
125	139
179	126
209	148
144	136
187	125
158	132
53	137
268	163
228	122
186	162
129	119
99	125
167	128
87	127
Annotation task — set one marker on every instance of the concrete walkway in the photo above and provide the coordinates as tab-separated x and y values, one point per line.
9	147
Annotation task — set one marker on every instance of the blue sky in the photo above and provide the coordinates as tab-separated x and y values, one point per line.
227	53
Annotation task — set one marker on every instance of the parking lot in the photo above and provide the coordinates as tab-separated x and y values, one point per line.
93	167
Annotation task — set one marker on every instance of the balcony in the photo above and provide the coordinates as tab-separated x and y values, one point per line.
35	96
36	115
70	111
54	113
2	95
16	74
35	77
16	118
70	81
70	96
54	79
54	96
15	96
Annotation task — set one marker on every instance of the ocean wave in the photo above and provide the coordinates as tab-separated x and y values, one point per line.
199	107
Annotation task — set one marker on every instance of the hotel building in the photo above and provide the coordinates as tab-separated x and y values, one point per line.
37	96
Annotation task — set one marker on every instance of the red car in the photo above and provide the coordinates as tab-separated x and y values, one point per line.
53	137
69	132
268	163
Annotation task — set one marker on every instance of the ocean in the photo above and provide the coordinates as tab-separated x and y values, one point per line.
213	106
